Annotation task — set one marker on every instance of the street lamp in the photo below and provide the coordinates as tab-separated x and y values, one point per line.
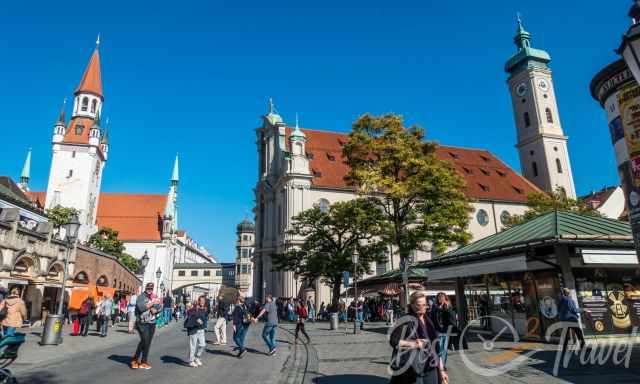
71	235
162	288
158	275
354	259
630	46
52	332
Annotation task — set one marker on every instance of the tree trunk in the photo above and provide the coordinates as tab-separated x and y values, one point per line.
335	295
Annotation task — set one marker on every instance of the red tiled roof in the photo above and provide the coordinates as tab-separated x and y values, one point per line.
91	80
136	217
596	199
487	177
82	136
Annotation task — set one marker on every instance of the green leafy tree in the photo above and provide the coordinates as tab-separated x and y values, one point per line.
329	239
60	215
422	198
539	203
106	240
129	262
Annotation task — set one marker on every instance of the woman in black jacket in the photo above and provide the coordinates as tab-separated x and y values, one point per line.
414	340
241	320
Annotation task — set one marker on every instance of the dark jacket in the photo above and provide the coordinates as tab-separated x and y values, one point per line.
568	310
222	309
167	302
238	314
410	328
191	321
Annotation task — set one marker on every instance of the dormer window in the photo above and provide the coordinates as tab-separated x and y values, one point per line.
331	157
310	155
485	158
454	155
501	174
467	171
79	129
484	187
317	173
518	190
485	172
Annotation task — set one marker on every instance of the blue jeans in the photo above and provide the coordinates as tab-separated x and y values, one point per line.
360	318
9	331
269	336
444	341
104	325
238	336
167	315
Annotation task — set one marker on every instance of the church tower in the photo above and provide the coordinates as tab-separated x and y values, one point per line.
542	145
79	153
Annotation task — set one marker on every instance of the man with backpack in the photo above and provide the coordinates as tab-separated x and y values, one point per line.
85	314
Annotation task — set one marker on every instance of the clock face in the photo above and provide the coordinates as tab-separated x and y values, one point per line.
543	85
521	89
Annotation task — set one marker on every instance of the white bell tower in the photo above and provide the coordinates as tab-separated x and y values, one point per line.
542	145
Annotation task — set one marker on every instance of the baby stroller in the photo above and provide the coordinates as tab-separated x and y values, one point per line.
9	346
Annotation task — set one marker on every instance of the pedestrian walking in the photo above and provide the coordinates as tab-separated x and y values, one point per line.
16	312
569	313
269	331
301	311
415	357
194	324
86	315
131	312
241	321
388	310
360	314
444	321
311	309
104	312
222	316
147	309
167	305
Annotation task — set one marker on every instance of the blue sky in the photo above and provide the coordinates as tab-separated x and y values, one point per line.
194	77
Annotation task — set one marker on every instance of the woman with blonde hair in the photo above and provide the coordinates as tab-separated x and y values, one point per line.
415	345
444	320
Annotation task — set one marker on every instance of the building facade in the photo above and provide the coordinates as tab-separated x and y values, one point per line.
245	233
301	168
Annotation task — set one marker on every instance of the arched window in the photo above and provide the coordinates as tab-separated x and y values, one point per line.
558	166
85	104
323	204
527	120
534	166
93	105
102	281
549	115
81	278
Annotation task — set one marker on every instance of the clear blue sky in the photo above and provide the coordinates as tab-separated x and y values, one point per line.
194	77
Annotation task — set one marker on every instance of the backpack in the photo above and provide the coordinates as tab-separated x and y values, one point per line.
84	308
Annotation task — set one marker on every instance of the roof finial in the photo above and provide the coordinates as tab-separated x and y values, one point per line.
271	109
98	41
61	115
175	174
297	127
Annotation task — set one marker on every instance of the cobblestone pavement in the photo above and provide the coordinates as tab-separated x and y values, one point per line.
339	357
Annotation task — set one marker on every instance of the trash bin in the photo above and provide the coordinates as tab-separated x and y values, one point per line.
333	321
52	332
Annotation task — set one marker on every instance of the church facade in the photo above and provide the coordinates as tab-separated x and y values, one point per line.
302	168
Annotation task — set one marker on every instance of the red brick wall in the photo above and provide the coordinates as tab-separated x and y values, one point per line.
96	264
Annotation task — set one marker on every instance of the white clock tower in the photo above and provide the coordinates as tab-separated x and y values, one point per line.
80	152
544	157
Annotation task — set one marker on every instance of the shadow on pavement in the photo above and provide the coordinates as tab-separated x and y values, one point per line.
220	352
39	377
126	360
350	379
173	360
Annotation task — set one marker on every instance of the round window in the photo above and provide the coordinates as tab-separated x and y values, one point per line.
483	217
323	204
504	217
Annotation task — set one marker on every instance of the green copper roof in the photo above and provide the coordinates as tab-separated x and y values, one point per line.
553	225
525	57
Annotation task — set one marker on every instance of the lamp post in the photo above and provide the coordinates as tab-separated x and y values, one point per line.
630	46
52	332
158	275
144	261
354	259
162	288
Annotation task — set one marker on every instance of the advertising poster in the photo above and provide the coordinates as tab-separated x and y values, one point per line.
629	107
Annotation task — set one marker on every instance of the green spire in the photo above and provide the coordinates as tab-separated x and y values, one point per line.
26	169
525	57
522	38
297	133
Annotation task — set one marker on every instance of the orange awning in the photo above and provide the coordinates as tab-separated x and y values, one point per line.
105	291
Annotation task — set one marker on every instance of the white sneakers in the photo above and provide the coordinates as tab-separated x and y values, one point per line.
199	362
195	363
